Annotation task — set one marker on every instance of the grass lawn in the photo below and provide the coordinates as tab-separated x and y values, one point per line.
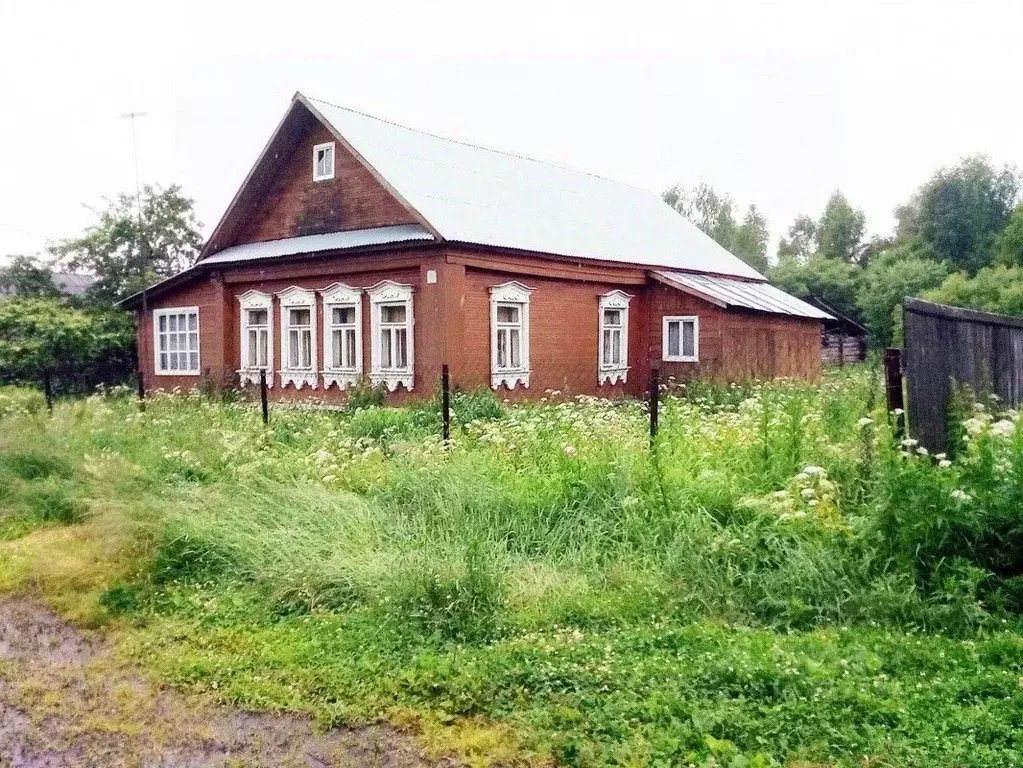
779	582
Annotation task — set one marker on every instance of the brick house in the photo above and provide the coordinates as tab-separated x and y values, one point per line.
361	248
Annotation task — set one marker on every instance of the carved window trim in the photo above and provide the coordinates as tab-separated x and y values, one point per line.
388	293
515	294
608	370
257	300
339	296
301	376
682	321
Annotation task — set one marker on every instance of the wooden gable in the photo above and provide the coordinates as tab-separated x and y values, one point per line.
280	199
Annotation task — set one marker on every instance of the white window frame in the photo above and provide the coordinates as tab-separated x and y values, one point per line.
167	312
333	161
514	293
298	298
680	358
612	373
389	293
337	296
255	300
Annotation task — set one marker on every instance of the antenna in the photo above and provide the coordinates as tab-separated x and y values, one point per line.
135	151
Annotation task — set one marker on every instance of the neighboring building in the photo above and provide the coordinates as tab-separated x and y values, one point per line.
358	247
844	340
66	283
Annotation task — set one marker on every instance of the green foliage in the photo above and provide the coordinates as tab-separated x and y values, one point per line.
801	242
129	249
25	276
961	211
1010	243
750	240
894	275
993	289
714	214
74	345
840	230
780	583
830	280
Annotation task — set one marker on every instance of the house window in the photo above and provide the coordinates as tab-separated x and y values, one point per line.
256	336
342	335
613	338
680	338
176	341
323	162
391	324
298	334
509	335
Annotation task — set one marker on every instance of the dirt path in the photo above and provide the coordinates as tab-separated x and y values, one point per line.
64	701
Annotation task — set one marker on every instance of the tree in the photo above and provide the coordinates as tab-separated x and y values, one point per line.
128	251
993	289
961	211
901	272
708	210
26	276
750	240
840	229
801	242
45	335
1010	243
831	281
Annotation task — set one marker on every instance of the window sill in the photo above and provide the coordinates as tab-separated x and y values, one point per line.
680	359
251	376
613	375
342	378
509	379
392	379
176	373
298	379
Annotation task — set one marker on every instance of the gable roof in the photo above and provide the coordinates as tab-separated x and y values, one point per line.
469	194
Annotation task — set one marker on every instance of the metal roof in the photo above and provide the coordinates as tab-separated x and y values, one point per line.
474	195
332	241
293	246
759	296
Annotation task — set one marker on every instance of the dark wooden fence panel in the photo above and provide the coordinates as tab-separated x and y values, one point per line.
946	344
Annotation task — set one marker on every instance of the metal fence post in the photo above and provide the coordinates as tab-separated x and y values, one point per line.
141	388
48	390
655	401
262	396
445	400
893	388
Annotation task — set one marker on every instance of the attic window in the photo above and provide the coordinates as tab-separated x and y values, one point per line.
323	162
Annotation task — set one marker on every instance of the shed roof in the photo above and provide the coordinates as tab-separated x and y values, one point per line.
761	297
470	194
331	241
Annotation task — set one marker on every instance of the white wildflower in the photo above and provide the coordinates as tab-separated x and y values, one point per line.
922	451
1003	428
944	463
812	470
865	421
570	450
960	495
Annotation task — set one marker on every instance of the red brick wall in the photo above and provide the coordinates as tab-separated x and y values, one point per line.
295	205
563	327
452	324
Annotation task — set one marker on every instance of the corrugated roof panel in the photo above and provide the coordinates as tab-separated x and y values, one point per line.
332	241
475	195
762	297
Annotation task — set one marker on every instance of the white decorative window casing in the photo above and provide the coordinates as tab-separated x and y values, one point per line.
509	335
298	337
257	337
680	339
176	341
613	338
342	335
392	361
323	161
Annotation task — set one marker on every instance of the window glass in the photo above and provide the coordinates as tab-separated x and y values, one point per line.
612	317
673	338
507	314
343	315
688	340
393	313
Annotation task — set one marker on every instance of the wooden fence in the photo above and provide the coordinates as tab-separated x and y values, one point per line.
964	346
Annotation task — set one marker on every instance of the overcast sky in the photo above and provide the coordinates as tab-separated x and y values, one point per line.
776	103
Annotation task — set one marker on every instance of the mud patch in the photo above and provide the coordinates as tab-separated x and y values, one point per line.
65	701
